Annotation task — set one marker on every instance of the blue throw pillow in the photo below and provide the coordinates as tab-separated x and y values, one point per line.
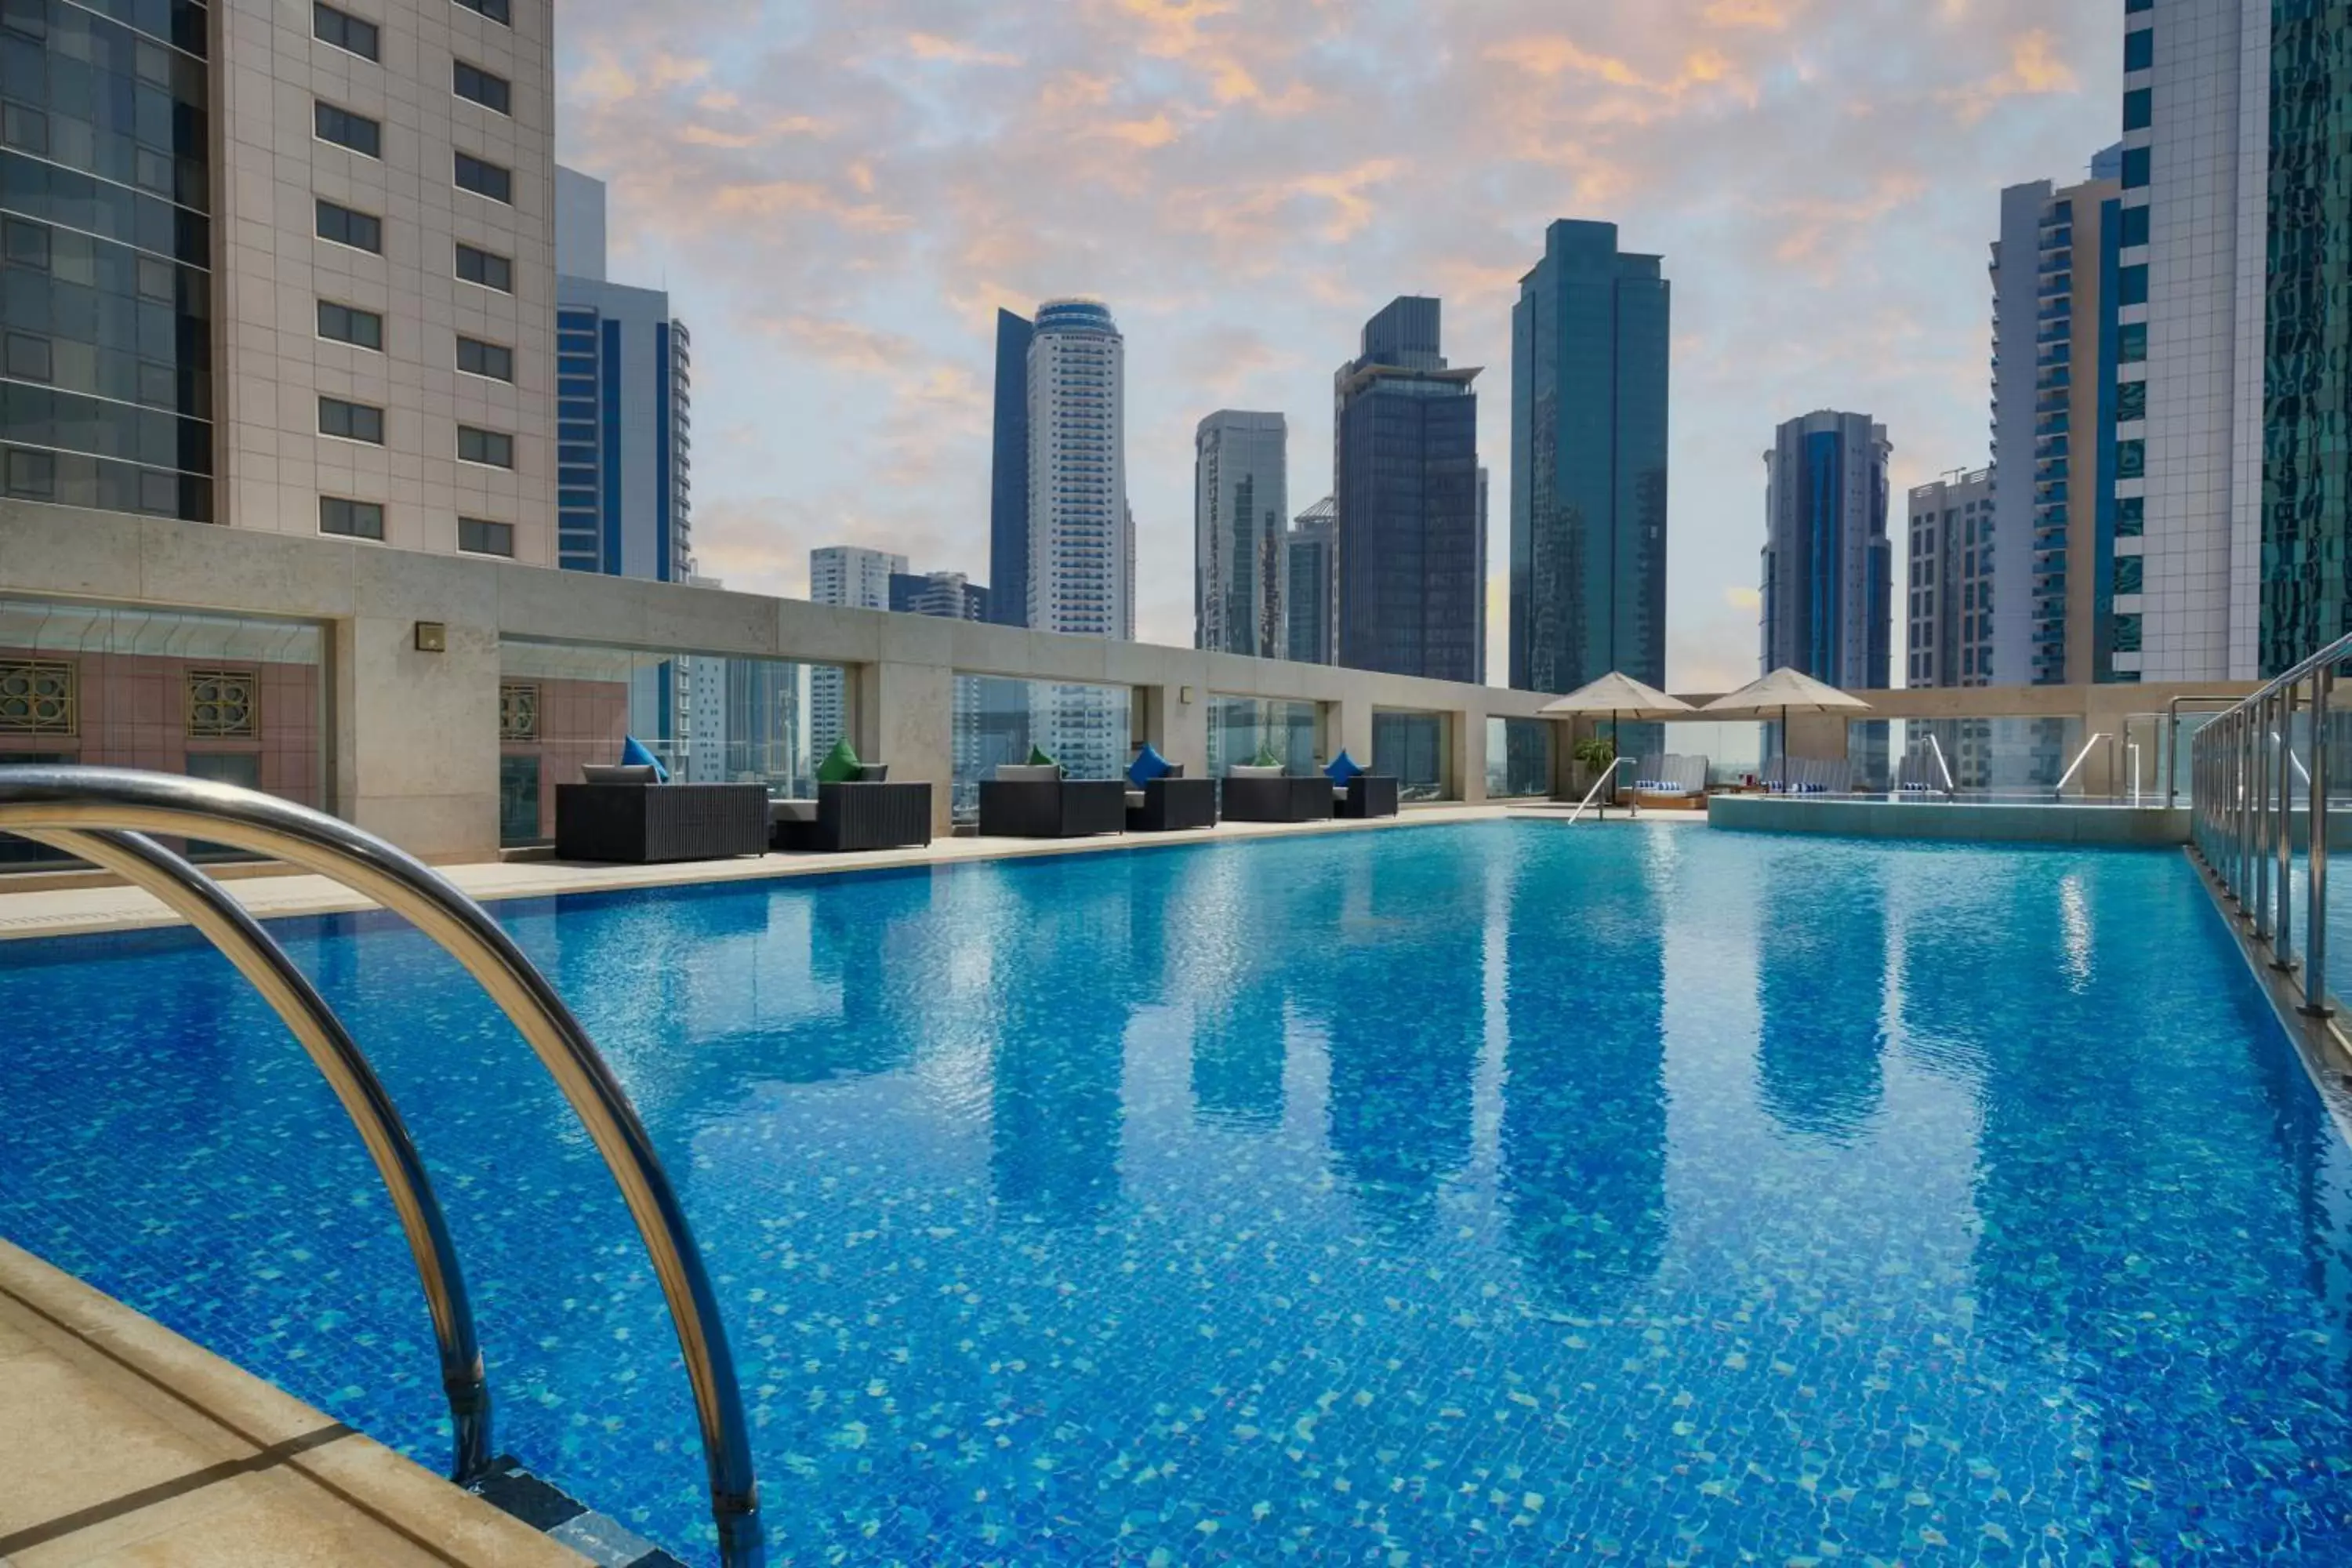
635	755
1149	764
1342	768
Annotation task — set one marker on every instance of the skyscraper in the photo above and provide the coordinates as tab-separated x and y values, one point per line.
1949	600
1008	477
623	407
948	595
860	579
1306	603
2062	561
1827	567
1589	338
1240	561
271	329
1405	471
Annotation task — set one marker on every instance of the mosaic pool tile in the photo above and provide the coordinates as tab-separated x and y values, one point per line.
1482	1194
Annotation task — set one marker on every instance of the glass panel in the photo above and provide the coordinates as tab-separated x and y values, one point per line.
219	697
1987	758
997	719
1410	748
1242	730
709	720
1518	758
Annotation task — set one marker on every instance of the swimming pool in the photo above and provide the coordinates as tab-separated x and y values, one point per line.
1467	1193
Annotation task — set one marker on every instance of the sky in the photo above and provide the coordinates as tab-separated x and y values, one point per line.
838	195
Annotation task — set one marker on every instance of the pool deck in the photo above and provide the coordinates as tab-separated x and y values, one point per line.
122	1444
104	906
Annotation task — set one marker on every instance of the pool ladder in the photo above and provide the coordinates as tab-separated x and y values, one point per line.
104	815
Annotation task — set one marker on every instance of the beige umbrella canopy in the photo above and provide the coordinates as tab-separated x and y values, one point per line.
1619	696
1784	691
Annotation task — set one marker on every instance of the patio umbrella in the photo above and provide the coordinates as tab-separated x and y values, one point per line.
1619	696
1784	691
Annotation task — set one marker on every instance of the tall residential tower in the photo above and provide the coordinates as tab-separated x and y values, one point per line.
1828	566
1307	605
1589	340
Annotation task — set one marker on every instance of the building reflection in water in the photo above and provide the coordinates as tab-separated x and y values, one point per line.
1822	986
1059	998
1220	968
1583	1138
1401	1078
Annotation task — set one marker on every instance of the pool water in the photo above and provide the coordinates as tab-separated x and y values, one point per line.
1490	1194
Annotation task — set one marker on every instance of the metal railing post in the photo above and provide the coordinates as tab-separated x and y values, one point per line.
2283	922
2314	898
2257	882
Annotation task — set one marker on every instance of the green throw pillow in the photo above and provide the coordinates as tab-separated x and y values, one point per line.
1038	759
1266	758
840	764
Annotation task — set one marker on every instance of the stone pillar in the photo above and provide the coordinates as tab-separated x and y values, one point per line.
415	733
1469	749
1177	727
905	714
1348	727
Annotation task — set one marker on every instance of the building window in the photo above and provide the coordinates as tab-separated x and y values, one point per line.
344	128
490	447
2131	459
2131	516
222	704
485	178
2140	49
518	711
518	798
476	357
481	267
2131	285
2134	230
32	475
2139	112
2127	574
36	697
2131	342
350	324
2133	7
2137	165
361	231
478	86
479	536
351	519
343	30
351	421
2131	400
2126	634
495	10
27	357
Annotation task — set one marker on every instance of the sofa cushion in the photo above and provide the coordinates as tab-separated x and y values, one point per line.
1028	773
781	811
1251	771
634	754
1134	799
840	764
1038	759
1149	764
618	772
873	773
1343	767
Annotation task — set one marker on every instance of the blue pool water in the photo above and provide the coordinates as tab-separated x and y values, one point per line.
1484	1194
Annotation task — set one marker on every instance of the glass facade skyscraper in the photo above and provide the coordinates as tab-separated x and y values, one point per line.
1008	474
1828	565
2306	591
1241	512
1589	342
106	365
1406	467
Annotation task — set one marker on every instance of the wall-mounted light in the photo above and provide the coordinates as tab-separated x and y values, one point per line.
1184	694
432	636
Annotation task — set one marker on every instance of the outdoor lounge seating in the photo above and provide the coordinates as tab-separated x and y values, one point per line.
1267	795
1365	795
1670	783
1024	801
634	820
1171	802
865	813
1810	776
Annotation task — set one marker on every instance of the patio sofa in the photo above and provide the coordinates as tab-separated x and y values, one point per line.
1364	796
1171	802
868	812
1026	801
622	814
1268	795
1665	782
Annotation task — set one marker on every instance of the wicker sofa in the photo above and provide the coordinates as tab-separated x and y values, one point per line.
868	812
1024	802
639	822
1364	796
1268	795
1171	804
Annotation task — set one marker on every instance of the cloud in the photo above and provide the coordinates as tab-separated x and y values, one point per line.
840	195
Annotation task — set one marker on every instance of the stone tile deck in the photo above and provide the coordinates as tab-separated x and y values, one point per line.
122	1444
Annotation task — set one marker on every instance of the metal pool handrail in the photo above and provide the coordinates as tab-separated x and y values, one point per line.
1952	791
1606	773
199	901
2068	777
81	800
2241	797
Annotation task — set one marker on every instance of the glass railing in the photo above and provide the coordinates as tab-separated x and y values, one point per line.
2266	779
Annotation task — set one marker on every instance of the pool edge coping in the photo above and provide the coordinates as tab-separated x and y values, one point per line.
177	1384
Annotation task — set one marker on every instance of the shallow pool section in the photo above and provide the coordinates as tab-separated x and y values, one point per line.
1471	1194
